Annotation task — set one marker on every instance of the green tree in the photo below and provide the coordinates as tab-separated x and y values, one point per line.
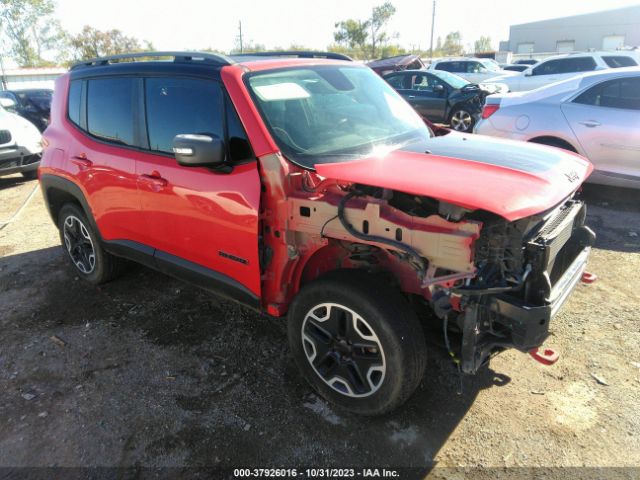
29	30
380	16
483	44
91	43
452	44
352	33
364	38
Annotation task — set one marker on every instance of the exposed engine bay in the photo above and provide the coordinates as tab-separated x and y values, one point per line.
494	284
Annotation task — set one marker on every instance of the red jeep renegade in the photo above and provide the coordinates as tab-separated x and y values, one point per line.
309	187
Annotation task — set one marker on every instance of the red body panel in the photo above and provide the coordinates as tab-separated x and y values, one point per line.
505	191
197	213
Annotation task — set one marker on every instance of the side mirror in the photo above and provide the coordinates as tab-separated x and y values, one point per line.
7	103
438	88
528	73
198	150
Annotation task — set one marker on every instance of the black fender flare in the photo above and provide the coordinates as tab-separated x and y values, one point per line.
50	183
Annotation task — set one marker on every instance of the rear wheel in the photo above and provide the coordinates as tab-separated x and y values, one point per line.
83	247
357	342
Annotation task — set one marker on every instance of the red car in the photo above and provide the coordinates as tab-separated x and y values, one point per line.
308	187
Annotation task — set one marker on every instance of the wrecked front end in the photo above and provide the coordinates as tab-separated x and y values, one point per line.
493	283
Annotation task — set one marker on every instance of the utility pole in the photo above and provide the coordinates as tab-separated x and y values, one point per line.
433	22
2	77
240	34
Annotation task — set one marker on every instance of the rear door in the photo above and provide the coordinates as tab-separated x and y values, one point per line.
202	222
606	121
103	151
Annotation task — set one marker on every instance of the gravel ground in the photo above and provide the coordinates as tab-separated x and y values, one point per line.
149	371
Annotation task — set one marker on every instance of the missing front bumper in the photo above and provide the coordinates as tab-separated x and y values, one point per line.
506	322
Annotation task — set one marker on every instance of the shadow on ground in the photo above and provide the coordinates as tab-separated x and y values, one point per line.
150	371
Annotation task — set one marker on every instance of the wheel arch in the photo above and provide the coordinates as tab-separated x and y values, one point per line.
59	191
553	141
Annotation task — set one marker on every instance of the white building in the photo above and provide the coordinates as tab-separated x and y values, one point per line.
23	78
606	30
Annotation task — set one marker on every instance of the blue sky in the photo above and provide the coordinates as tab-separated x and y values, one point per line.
192	24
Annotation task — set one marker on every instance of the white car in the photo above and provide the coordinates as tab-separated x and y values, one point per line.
561	67
20	143
474	70
596	115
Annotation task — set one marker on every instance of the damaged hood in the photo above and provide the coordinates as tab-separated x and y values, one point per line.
509	178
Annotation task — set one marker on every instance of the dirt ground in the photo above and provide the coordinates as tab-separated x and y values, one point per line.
149	371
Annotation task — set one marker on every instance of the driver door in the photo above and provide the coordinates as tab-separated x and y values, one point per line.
202	222
423	93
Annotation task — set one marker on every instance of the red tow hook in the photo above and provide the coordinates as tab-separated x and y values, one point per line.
589	277
547	356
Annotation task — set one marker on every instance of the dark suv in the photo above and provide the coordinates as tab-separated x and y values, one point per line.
308	187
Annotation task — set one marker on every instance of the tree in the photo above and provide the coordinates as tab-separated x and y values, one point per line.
452	44
29	29
353	33
91	43
364	38
483	44
380	16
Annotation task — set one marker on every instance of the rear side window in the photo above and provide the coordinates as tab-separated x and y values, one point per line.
620	61
110	109
182	105
73	107
565	65
622	93
451	66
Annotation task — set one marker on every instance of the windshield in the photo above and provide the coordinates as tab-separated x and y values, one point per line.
491	65
454	80
325	114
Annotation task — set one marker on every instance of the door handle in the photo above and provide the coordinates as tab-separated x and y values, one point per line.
154	180
81	161
590	123
411	96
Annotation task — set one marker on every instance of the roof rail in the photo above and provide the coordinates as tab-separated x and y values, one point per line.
296	53
212	58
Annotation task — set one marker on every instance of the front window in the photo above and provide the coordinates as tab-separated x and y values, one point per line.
325	114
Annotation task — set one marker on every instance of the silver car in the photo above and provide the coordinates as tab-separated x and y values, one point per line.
596	115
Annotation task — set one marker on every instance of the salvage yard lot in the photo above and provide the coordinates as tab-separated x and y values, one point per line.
149	371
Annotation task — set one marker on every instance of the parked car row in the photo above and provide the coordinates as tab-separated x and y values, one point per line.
586	103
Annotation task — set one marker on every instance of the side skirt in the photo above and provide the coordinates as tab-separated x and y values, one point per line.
185	270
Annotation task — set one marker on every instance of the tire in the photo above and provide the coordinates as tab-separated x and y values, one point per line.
385	334
30	175
82	244
461	120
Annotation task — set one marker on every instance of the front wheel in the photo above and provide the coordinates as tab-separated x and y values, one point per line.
461	120
357	342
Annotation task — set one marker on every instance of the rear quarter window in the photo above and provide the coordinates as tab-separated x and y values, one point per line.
73	102
110	109
619	61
